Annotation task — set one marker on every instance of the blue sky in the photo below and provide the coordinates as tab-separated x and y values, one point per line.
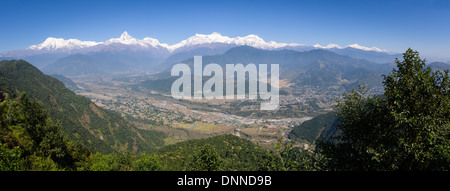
393	25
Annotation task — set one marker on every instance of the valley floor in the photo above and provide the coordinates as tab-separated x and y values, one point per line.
184	120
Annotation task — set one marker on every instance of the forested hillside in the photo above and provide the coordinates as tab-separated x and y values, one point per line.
311	130
30	140
81	120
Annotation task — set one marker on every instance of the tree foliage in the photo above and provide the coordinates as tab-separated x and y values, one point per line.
31	141
286	157
206	159
406	129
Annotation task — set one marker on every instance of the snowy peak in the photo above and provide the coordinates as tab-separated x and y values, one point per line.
258	42
201	39
54	44
214	37
355	46
126	39
125	36
249	40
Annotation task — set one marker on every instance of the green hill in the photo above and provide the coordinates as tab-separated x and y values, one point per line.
81	120
231	153
235	153
314	128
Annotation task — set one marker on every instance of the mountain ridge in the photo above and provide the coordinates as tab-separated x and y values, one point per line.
98	129
314	68
77	46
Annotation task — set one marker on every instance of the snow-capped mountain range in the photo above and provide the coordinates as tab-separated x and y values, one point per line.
127	54
62	45
250	40
52	44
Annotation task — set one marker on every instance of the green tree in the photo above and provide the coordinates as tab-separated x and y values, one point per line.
146	162
10	159
406	129
206	159
290	158
29	140
419	101
112	162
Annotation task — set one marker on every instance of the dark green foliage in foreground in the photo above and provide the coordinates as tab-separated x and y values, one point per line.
408	129
31	141
224	152
206	159
289	158
229	153
220	153
211	154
